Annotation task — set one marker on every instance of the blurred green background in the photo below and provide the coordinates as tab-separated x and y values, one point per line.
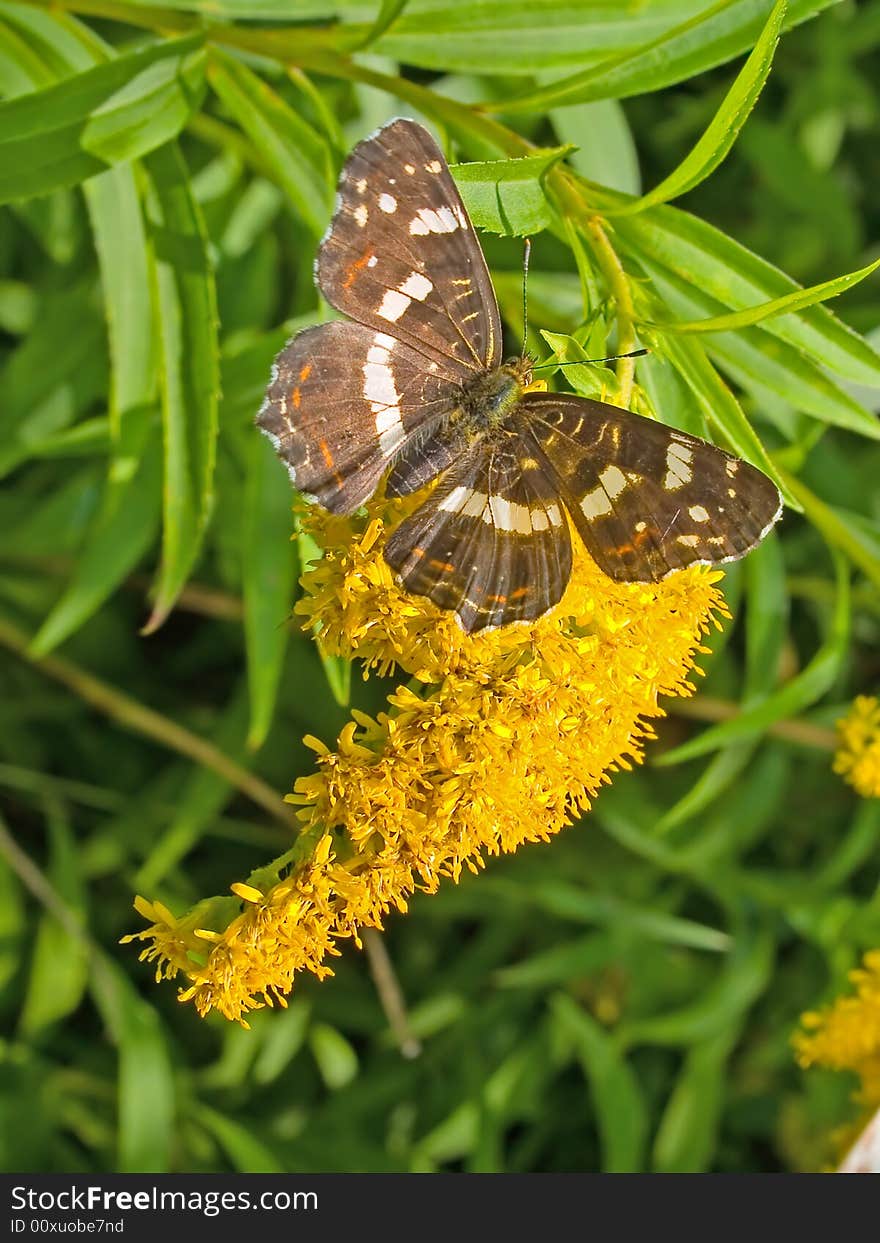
622	998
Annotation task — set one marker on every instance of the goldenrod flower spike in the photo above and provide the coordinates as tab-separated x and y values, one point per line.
846	1036
500	738
858	755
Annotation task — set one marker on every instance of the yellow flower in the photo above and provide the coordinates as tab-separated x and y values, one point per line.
846	1034
500	738
858	754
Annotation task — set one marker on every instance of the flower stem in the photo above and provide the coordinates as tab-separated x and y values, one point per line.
390	993
133	716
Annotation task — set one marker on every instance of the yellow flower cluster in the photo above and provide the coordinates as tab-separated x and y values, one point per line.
846	1035
499	738
858	755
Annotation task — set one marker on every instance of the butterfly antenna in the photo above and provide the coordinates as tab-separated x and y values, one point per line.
610	358
527	250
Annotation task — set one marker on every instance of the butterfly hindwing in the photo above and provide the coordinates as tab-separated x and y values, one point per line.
645	498
491	542
342	404
401	255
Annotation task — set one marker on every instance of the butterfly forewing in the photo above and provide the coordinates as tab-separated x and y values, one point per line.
341	406
401	255
491	543
647	499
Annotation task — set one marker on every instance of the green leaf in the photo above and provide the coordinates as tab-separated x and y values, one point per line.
59	968
804	689
336	1058
296	155
682	49
269	576
185	305
716	1008
146	1098
721	408
620	1109
507	196
52	375
571	903
245	1152
776	306
389	11
121	242
605	150
199	801
724	128
687	1135
737	278
839	530
337	669
761	362
124	528
112	113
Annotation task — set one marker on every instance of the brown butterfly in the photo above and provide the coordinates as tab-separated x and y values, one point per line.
413	385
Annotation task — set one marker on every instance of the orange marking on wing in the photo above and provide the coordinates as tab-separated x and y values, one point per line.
498	599
296	398
418	552
520	592
351	274
441	565
325	452
306	372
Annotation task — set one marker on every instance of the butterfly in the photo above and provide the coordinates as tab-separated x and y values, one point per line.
412	387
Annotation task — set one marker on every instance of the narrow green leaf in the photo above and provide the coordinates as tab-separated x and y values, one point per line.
766	617
120	239
185	305
200	800
739	279
621	1113
337	669
282	1040
687	1135
146	1096
268	576
507	196
295	154
723	130
337	1060
124	528
838	529
761	362
776	306
246	1153
112	113
721	407
52	375
389	11
801	692
717	1008
571	903
59	966
605	150
687	45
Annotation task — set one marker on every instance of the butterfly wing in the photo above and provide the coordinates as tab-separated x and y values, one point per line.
491	542
401	254
343	402
647	499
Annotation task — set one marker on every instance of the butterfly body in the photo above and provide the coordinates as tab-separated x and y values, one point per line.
412	388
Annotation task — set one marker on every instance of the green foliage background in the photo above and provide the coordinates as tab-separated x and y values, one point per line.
623	998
